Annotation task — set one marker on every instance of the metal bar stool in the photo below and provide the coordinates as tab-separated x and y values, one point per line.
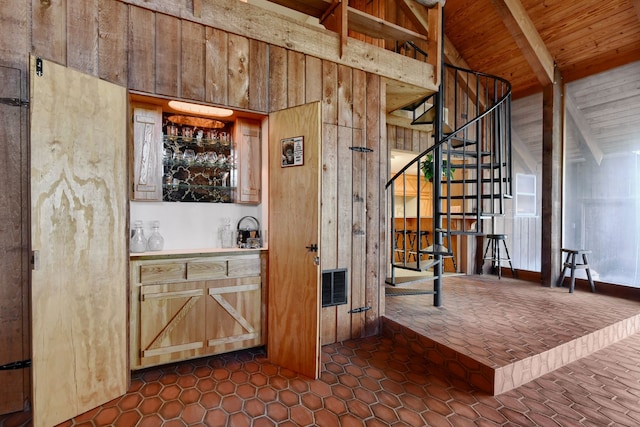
493	241
570	262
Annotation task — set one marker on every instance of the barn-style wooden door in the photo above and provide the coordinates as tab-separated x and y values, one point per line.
294	236
79	242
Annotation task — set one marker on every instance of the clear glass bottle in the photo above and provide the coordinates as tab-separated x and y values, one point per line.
138	241
156	241
226	234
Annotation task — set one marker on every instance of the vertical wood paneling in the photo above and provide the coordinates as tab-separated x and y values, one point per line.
258	75
14	335
425	141
238	71
344	217
329	225
82	35
358	180
391	137
345	96
49	30
112	41
142	58
14	205
329	92
313	79
400	138
358	236
216	74
277	78
193	61
359	96
295	78
376	220
168	58
415	141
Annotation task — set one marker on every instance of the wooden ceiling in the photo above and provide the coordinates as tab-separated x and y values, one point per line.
593	44
582	37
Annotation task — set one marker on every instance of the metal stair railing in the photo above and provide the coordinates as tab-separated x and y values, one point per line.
471	122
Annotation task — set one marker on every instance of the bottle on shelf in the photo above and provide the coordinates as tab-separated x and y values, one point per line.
138	241
156	241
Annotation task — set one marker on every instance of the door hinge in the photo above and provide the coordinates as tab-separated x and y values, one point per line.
14	102
359	309
312	247
22	364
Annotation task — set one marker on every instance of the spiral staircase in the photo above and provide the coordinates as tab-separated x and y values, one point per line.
472	174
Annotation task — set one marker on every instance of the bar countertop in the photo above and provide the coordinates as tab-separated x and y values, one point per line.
200	252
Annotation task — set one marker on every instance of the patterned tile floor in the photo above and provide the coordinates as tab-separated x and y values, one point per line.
508	331
374	382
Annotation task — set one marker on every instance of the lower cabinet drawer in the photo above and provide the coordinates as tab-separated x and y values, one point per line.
206	270
244	267
166	272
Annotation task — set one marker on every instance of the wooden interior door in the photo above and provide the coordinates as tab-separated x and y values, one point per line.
294	273
79	240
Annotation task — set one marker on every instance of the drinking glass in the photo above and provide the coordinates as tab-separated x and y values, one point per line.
189	156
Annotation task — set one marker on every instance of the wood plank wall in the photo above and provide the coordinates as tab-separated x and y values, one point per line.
14	207
163	54
401	138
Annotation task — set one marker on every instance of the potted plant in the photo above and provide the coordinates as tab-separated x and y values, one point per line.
427	168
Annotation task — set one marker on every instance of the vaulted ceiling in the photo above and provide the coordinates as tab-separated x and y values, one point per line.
514	38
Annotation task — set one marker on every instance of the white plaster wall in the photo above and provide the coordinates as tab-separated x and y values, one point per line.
191	225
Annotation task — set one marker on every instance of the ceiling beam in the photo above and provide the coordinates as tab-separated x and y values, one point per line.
527	38
417	14
583	127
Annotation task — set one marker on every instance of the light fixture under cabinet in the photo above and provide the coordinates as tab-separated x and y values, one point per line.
199	109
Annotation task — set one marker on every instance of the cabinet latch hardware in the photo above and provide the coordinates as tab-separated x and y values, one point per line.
359	309
14	102
312	247
22	364
361	149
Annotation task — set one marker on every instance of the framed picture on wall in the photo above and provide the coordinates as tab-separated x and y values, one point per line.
292	151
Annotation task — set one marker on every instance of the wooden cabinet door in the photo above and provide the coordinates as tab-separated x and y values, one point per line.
171	322
249	173
234	315
294	228
147	153
79	238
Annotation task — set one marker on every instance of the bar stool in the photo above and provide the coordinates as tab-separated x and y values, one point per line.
493	241
570	262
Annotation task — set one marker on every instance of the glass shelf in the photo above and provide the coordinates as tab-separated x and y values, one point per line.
197	193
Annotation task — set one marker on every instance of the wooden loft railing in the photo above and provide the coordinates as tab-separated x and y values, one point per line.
341	18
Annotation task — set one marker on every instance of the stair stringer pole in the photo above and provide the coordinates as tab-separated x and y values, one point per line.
438	269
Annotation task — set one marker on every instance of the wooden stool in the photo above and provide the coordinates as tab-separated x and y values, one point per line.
493	241
570	262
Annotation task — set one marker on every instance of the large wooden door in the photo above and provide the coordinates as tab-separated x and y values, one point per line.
79	239
294	206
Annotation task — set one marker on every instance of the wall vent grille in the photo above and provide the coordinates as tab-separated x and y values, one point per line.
334	287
